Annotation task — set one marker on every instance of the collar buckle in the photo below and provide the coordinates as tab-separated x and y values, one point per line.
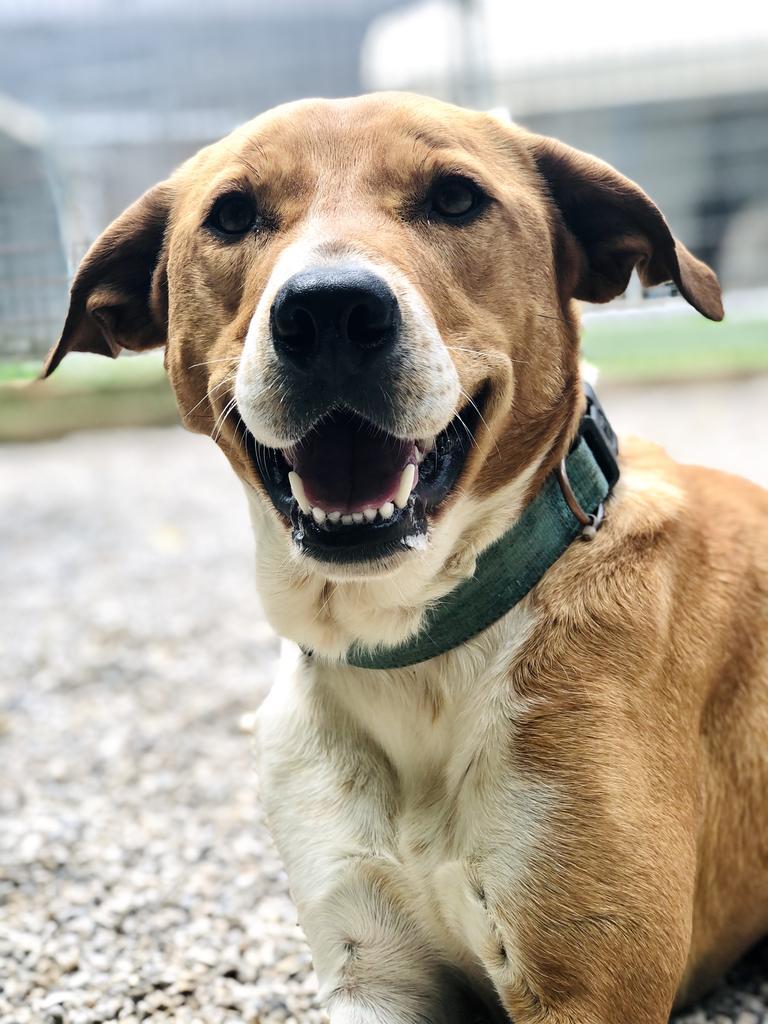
596	429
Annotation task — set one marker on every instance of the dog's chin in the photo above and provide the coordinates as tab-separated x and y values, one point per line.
363	571
358	501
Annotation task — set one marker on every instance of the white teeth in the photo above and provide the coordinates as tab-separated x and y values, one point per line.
420	456
387	510
406	485
368	515
297	490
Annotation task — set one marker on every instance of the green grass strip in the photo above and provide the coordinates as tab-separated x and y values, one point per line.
643	348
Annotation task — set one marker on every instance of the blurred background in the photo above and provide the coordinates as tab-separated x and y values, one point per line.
137	880
99	99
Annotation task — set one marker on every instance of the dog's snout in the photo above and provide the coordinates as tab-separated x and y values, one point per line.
334	318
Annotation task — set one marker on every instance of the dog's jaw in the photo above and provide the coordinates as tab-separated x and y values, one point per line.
327	609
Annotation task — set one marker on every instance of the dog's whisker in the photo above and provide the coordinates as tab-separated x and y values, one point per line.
482	419
241	434
210	393
210	362
198	404
221	419
324	606
239	156
550	316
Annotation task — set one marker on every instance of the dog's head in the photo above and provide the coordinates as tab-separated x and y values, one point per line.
368	304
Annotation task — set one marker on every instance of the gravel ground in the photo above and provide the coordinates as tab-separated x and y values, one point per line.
137	882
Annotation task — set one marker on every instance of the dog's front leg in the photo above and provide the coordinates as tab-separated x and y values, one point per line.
330	800
600	961
373	963
596	926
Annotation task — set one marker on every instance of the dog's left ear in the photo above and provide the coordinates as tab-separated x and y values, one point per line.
617	228
119	297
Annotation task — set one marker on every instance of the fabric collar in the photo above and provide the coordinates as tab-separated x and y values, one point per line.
510	568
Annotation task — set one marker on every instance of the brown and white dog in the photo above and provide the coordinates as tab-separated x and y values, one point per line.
369	304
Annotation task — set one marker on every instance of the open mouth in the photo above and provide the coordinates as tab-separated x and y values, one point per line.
354	492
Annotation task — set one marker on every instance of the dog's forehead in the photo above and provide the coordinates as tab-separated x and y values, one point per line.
374	133
373	122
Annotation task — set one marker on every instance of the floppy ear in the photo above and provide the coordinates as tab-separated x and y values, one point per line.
618	228
119	295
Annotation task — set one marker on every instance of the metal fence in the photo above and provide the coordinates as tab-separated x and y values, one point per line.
33	271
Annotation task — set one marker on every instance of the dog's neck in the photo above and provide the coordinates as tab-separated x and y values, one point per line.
331	615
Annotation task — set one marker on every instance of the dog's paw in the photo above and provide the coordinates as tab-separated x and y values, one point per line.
363	1015
349	1013
382	1015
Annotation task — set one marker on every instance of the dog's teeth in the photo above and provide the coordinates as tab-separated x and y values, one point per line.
334	517
289	454
347	520
319	516
387	510
426	444
420	456
370	514
357	517
297	490
406	485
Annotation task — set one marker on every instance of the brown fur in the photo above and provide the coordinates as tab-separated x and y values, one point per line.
649	661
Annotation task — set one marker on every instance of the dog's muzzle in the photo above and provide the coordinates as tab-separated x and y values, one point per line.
356	485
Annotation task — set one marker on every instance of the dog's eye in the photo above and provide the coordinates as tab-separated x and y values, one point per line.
233	215
455	199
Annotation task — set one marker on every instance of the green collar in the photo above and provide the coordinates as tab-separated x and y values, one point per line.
508	569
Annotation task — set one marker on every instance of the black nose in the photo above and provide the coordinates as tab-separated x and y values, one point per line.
334	319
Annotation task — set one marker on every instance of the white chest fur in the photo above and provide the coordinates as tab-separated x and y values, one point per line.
394	803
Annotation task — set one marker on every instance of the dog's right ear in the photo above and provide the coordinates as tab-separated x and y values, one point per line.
119	297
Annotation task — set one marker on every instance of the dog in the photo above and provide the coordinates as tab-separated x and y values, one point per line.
515	759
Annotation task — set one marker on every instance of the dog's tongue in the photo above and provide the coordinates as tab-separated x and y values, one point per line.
349	466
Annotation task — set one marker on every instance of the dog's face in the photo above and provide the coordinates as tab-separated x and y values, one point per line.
368	304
